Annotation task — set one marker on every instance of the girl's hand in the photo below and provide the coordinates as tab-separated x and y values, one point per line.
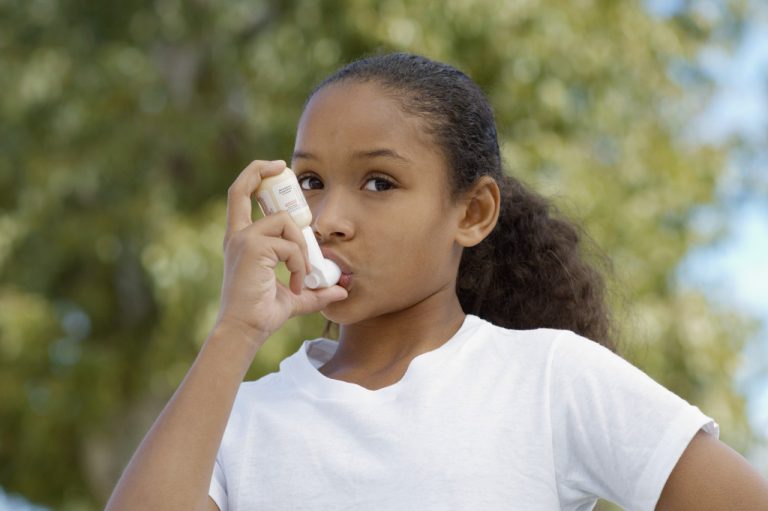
252	299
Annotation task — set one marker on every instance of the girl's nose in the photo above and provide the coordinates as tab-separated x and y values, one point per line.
331	219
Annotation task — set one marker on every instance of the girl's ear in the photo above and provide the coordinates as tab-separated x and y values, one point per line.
479	212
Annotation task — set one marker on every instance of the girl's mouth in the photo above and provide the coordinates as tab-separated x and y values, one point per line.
345	281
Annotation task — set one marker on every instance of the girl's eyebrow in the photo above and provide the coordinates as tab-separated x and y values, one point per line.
303	155
379	153
368	154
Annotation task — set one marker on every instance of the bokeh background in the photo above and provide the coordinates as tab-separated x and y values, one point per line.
122	125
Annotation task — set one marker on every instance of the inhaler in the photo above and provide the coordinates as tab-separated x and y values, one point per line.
283	193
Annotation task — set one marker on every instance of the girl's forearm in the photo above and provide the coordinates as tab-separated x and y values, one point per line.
172	467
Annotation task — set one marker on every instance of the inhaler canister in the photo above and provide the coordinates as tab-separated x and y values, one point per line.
283	193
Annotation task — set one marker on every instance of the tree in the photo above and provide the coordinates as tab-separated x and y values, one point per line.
125	123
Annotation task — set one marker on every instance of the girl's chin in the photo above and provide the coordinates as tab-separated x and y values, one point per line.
342	312
332	313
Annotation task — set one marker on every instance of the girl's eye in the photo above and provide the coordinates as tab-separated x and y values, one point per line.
309	182
379	184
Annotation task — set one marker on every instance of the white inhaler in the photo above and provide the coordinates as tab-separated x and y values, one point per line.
283	193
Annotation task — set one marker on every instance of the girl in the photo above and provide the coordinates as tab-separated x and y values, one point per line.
466	374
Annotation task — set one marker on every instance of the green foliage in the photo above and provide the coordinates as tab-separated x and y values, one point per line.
124	124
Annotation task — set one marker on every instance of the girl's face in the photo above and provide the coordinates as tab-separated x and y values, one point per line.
377	187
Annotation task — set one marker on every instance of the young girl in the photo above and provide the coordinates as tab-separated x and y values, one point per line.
474	368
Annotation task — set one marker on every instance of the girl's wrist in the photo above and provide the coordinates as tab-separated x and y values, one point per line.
245	342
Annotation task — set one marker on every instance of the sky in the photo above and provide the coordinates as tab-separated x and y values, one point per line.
733	272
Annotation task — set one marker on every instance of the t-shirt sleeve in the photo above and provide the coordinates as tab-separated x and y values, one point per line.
218	488
616	433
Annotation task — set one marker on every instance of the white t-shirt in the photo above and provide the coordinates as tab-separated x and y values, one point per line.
494	419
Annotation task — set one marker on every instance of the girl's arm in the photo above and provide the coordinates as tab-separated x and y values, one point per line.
710	476
173	466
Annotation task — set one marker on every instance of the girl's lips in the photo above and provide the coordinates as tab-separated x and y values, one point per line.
340	262
345	281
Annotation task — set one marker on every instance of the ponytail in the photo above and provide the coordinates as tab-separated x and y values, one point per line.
530	271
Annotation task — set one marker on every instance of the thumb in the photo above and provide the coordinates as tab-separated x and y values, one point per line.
313	300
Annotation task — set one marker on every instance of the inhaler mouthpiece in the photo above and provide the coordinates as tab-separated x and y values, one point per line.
325	272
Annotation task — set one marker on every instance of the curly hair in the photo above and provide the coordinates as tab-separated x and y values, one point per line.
531	271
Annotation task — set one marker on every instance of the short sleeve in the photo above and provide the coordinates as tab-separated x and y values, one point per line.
218	488
616	433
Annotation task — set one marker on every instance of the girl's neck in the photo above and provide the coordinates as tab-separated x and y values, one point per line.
377	352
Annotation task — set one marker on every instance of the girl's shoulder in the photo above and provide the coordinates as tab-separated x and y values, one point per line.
536	339
562	352
514	350
550	339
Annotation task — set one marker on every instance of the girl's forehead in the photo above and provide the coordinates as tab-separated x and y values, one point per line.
346	99
359	117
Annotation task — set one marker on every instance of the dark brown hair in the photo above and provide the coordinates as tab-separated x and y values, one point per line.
530	272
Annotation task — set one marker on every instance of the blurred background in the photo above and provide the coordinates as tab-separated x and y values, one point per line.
122	125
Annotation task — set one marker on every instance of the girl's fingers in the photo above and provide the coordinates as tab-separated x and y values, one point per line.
281	225
239	213
290	253
313	300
